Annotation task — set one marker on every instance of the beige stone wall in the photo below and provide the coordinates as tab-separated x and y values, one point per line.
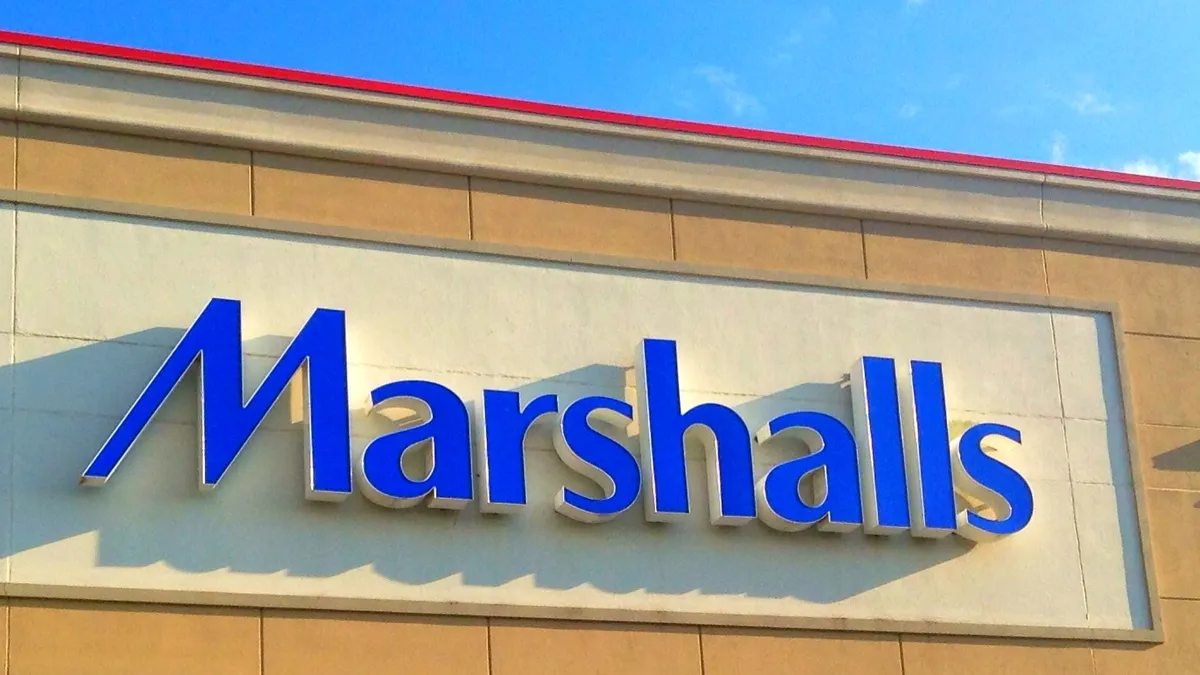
1157	292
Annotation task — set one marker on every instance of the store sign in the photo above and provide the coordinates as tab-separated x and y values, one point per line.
493	435
898	470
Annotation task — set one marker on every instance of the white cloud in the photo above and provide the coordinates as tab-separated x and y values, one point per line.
1058	148
785	52
909	110
1186	165
1189	162
1087	103
1146	167
725	84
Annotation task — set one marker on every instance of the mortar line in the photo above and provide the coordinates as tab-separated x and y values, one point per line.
1070	478
470	211
674	233
262	665
862	243
253	205
487	637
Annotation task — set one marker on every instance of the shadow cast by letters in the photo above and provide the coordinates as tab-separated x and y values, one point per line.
257	522
1184	458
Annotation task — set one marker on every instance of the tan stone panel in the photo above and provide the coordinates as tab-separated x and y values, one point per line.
8	154
551	648
361	195
944	257
132	169
1175	541
566	219
1170	456
486	142
79	638
1179	653
934	655
326	642
1163	374
732	651
1158	291
768	240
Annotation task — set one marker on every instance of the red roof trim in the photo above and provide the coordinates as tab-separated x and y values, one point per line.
571	112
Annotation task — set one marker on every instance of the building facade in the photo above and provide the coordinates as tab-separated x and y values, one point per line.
989	367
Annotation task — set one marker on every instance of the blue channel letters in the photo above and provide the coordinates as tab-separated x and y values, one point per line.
895	469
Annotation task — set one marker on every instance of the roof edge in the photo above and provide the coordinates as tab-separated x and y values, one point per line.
584	114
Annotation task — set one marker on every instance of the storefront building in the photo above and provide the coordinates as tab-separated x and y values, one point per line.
308	374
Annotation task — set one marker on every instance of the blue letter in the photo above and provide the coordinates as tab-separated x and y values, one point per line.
880	445
835	504
927	454
992	482
215	338
445	434
598	457
662	427
501	447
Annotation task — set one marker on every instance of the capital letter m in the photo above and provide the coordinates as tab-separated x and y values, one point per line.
225	423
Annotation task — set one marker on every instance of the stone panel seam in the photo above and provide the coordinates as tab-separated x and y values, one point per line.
1191	338
253	200
1166	489
1042	205
262	666
1087	612
470	211
1176	598
862	244
487	637
17	159
674	233
1045	266
862	229
17	84
1169	426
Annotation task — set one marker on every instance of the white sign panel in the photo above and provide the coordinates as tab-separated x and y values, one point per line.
208	415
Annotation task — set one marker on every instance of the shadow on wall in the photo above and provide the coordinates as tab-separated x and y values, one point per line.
1184	458
258	522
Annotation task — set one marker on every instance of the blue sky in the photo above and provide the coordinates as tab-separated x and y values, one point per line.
1108	84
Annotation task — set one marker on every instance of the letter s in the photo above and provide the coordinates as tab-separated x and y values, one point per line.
992	482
